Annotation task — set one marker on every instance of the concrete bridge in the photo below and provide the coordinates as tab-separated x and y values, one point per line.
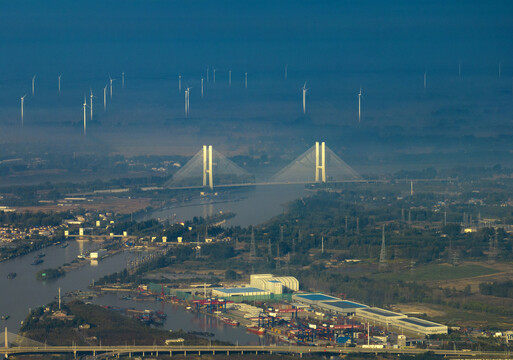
117	351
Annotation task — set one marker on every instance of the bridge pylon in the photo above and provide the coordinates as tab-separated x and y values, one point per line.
208	176
320	162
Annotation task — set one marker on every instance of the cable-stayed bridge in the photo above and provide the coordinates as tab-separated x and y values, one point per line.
319	164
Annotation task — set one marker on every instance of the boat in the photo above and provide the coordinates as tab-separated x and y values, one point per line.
11	275
65	245
161	314
5	317
37	261
41	254
256	330
230	322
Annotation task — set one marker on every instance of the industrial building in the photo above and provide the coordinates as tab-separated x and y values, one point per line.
239	291
274	284
313	299
378	316
342	307
420	326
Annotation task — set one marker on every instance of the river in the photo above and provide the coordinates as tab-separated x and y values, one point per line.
24	292
251	207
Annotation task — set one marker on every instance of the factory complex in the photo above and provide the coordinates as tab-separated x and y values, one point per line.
373	315
267	286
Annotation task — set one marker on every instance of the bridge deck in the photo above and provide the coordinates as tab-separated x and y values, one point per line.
240	349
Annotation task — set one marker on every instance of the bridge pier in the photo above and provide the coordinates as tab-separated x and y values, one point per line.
75	354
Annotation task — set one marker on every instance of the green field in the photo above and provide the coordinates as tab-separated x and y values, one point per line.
438	272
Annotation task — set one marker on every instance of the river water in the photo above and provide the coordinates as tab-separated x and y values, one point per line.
19	295
252	207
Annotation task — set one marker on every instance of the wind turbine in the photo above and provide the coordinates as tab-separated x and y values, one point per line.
500	70
123	80
360	105
33	84
425	83
111	80
246	80
207	74
180	84
91	103
85	120
105	96
286	68
60	83
304	97
229	78
187	104
22	101
202	87
214	78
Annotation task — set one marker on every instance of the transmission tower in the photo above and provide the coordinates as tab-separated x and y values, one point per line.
293	245
252	253
383	253
198	247
278	257
492	251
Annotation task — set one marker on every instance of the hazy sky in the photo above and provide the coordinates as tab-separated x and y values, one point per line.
158	36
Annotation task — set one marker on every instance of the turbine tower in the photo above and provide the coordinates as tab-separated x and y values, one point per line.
33	84
111	80
500	70
85	120
187	92
180	84
286	68
214	78
22	102
360	105
245	80
459	70
304	97
425	75
60	83
207	74
91	103
105	96
123	80
202	87
229	78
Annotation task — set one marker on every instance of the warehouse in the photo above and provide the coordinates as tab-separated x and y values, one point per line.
342	307
378	316
239	291
420	326
313	299
270	282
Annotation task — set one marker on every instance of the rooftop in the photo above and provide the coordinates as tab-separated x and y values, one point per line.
239	290
316	297
420	322
344	304
381	312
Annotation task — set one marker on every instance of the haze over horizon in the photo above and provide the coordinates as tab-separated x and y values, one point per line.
335	46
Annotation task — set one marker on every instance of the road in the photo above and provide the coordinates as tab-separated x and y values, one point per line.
270	349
